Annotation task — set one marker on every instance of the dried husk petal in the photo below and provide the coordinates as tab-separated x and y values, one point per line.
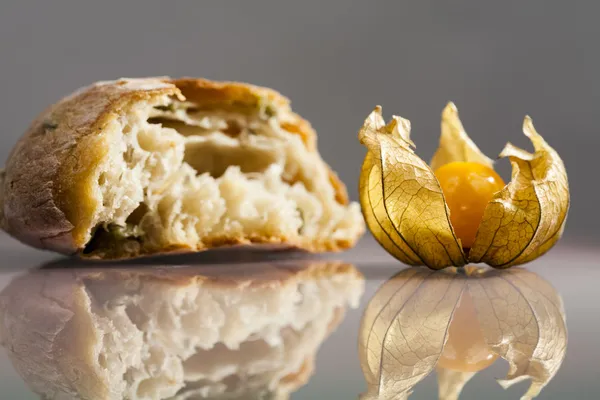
455	144
402	201
405	325
526	218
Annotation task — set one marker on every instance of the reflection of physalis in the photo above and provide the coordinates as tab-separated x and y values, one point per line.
246	331
457	209
460	321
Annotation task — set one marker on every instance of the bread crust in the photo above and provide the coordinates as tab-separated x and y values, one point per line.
47	196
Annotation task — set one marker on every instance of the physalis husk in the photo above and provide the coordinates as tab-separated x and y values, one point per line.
408	212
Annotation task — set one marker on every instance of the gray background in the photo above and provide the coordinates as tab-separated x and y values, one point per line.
336	60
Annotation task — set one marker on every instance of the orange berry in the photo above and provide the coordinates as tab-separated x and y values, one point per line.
468	187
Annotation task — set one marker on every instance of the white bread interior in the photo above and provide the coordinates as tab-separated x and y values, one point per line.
76	335
180	176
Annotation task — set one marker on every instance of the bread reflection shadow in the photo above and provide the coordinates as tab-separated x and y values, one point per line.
458	322
245	331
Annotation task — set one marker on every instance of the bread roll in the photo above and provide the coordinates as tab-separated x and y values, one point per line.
212	332
136	167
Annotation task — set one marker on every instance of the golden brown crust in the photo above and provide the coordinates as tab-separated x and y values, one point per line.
341	194
237	96
48	201
209	94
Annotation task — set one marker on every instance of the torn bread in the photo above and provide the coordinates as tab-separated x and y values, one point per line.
137	167
212	332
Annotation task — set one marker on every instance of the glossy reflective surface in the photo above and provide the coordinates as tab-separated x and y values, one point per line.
239	325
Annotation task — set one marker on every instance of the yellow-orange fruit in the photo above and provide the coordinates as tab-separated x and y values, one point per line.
468	187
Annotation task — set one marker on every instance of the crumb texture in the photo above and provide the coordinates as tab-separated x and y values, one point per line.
177	176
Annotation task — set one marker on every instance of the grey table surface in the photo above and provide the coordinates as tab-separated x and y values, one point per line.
573	270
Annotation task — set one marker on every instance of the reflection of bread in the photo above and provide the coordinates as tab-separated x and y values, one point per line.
132	167
223	332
